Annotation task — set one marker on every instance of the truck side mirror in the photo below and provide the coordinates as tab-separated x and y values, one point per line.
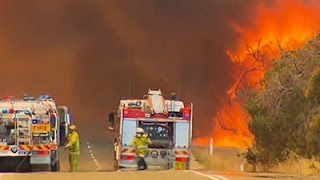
112	121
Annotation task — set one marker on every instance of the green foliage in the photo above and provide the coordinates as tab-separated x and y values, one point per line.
313	87
285	114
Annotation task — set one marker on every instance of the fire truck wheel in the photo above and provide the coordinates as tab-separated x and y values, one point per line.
115	165
40	167
55	159
55	167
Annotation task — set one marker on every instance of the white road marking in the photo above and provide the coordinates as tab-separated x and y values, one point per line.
93	158
99	168
213	177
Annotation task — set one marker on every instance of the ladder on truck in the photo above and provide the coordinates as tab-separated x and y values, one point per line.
156	102
23	130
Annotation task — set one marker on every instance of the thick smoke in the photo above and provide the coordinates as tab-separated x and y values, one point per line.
89	54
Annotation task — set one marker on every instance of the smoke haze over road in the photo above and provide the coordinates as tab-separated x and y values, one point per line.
85	53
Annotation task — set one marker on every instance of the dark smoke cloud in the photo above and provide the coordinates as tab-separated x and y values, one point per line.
86	52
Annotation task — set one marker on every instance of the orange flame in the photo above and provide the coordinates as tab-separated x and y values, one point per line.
282	24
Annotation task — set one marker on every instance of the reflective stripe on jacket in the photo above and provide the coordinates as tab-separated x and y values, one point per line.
141	145
73	143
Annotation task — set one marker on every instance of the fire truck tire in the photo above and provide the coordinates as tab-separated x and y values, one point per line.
115	165
40	167
55	167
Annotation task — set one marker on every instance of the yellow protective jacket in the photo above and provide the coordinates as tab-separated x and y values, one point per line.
73	143
141	145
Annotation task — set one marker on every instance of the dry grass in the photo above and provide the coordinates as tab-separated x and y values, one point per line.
227	159
222	159
298	166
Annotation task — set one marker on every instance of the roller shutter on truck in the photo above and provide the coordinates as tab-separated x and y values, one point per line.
126	154
128	131
182	146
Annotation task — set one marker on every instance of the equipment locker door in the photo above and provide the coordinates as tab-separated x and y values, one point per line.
182	146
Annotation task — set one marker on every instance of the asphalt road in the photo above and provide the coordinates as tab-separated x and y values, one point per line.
108	175
96	163
154	175
96	155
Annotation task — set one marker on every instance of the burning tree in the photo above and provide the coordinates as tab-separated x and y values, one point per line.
285	112
277	33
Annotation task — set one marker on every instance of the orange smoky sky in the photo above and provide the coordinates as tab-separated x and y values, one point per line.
88	54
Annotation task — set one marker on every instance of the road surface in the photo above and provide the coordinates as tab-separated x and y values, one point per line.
96	163
96	155
152	175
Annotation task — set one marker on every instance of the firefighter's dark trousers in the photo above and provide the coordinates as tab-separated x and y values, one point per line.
142	165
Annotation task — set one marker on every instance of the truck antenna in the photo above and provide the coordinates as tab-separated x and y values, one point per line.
129	87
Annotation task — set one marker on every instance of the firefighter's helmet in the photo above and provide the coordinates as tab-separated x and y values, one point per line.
139	130
72	127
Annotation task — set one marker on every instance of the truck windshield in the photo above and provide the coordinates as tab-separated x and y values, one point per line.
62	115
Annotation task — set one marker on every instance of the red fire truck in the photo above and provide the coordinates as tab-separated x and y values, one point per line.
168	124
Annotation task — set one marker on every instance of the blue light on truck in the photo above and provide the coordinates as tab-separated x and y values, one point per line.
45	97
36	121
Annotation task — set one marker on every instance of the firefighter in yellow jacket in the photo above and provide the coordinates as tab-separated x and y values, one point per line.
74	148
141	142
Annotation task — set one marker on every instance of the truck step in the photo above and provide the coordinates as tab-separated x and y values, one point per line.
24	136
24	139
23	128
